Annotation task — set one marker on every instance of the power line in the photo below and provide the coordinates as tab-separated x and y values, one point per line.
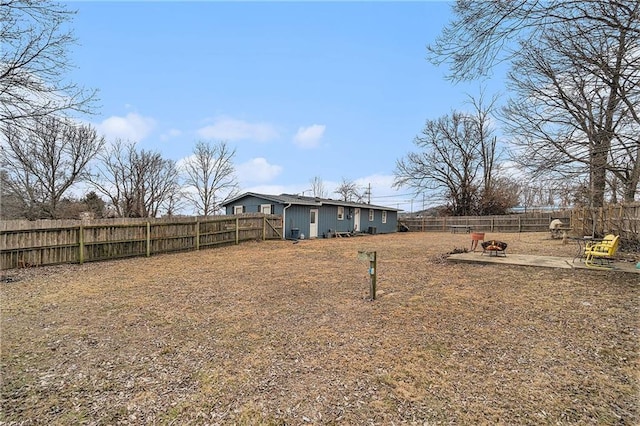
391	196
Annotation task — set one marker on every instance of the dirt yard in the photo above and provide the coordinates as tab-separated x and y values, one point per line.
282	333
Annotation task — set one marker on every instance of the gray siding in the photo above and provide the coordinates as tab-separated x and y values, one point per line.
329	220
252	205
381	228
298	216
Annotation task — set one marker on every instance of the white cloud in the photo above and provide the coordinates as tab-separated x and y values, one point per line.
257	170
309	137
172	133
133	127
229	129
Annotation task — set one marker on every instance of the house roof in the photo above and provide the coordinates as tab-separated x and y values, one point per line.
306	201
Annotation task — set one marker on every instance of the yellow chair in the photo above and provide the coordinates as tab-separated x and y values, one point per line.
606	240
600	254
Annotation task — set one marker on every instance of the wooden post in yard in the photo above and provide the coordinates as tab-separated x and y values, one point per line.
237	231
373	266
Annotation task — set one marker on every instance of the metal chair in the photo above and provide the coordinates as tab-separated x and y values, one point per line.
600	254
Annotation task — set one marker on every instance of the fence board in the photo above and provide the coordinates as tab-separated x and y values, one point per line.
529	222
52	242
620	219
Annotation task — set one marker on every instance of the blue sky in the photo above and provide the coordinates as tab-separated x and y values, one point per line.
336	90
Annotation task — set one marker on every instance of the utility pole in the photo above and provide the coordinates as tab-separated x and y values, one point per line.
368	193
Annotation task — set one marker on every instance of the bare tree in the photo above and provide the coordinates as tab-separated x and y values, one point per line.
138	183
535	193
35	38
449	162
500	197
44	160
497	191
349	191
210	176
317	188
488	142
575	79
12	205
573	114
461	161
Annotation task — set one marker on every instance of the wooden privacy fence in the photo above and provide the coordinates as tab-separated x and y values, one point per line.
529	222
620	219
88	241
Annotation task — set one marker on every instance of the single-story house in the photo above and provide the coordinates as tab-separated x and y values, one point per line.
312	217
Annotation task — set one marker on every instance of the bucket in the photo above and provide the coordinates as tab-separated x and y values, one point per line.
475	237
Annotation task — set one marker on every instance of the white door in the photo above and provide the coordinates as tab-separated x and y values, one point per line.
313	223
356	220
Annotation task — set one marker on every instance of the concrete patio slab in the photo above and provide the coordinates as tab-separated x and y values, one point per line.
541	261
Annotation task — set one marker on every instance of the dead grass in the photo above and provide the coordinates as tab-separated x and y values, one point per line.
282	333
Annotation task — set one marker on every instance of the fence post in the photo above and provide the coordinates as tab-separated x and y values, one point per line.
237	230
81	244
264	228
492	223
148	239
372	258
197	234
519	224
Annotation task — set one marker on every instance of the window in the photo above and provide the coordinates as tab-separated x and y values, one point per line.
371	215
340	213
238	209
265	208
384	216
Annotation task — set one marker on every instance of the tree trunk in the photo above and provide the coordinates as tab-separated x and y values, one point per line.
599	172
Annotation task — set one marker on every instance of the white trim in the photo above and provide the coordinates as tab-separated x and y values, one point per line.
284	221
265	208
313	226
